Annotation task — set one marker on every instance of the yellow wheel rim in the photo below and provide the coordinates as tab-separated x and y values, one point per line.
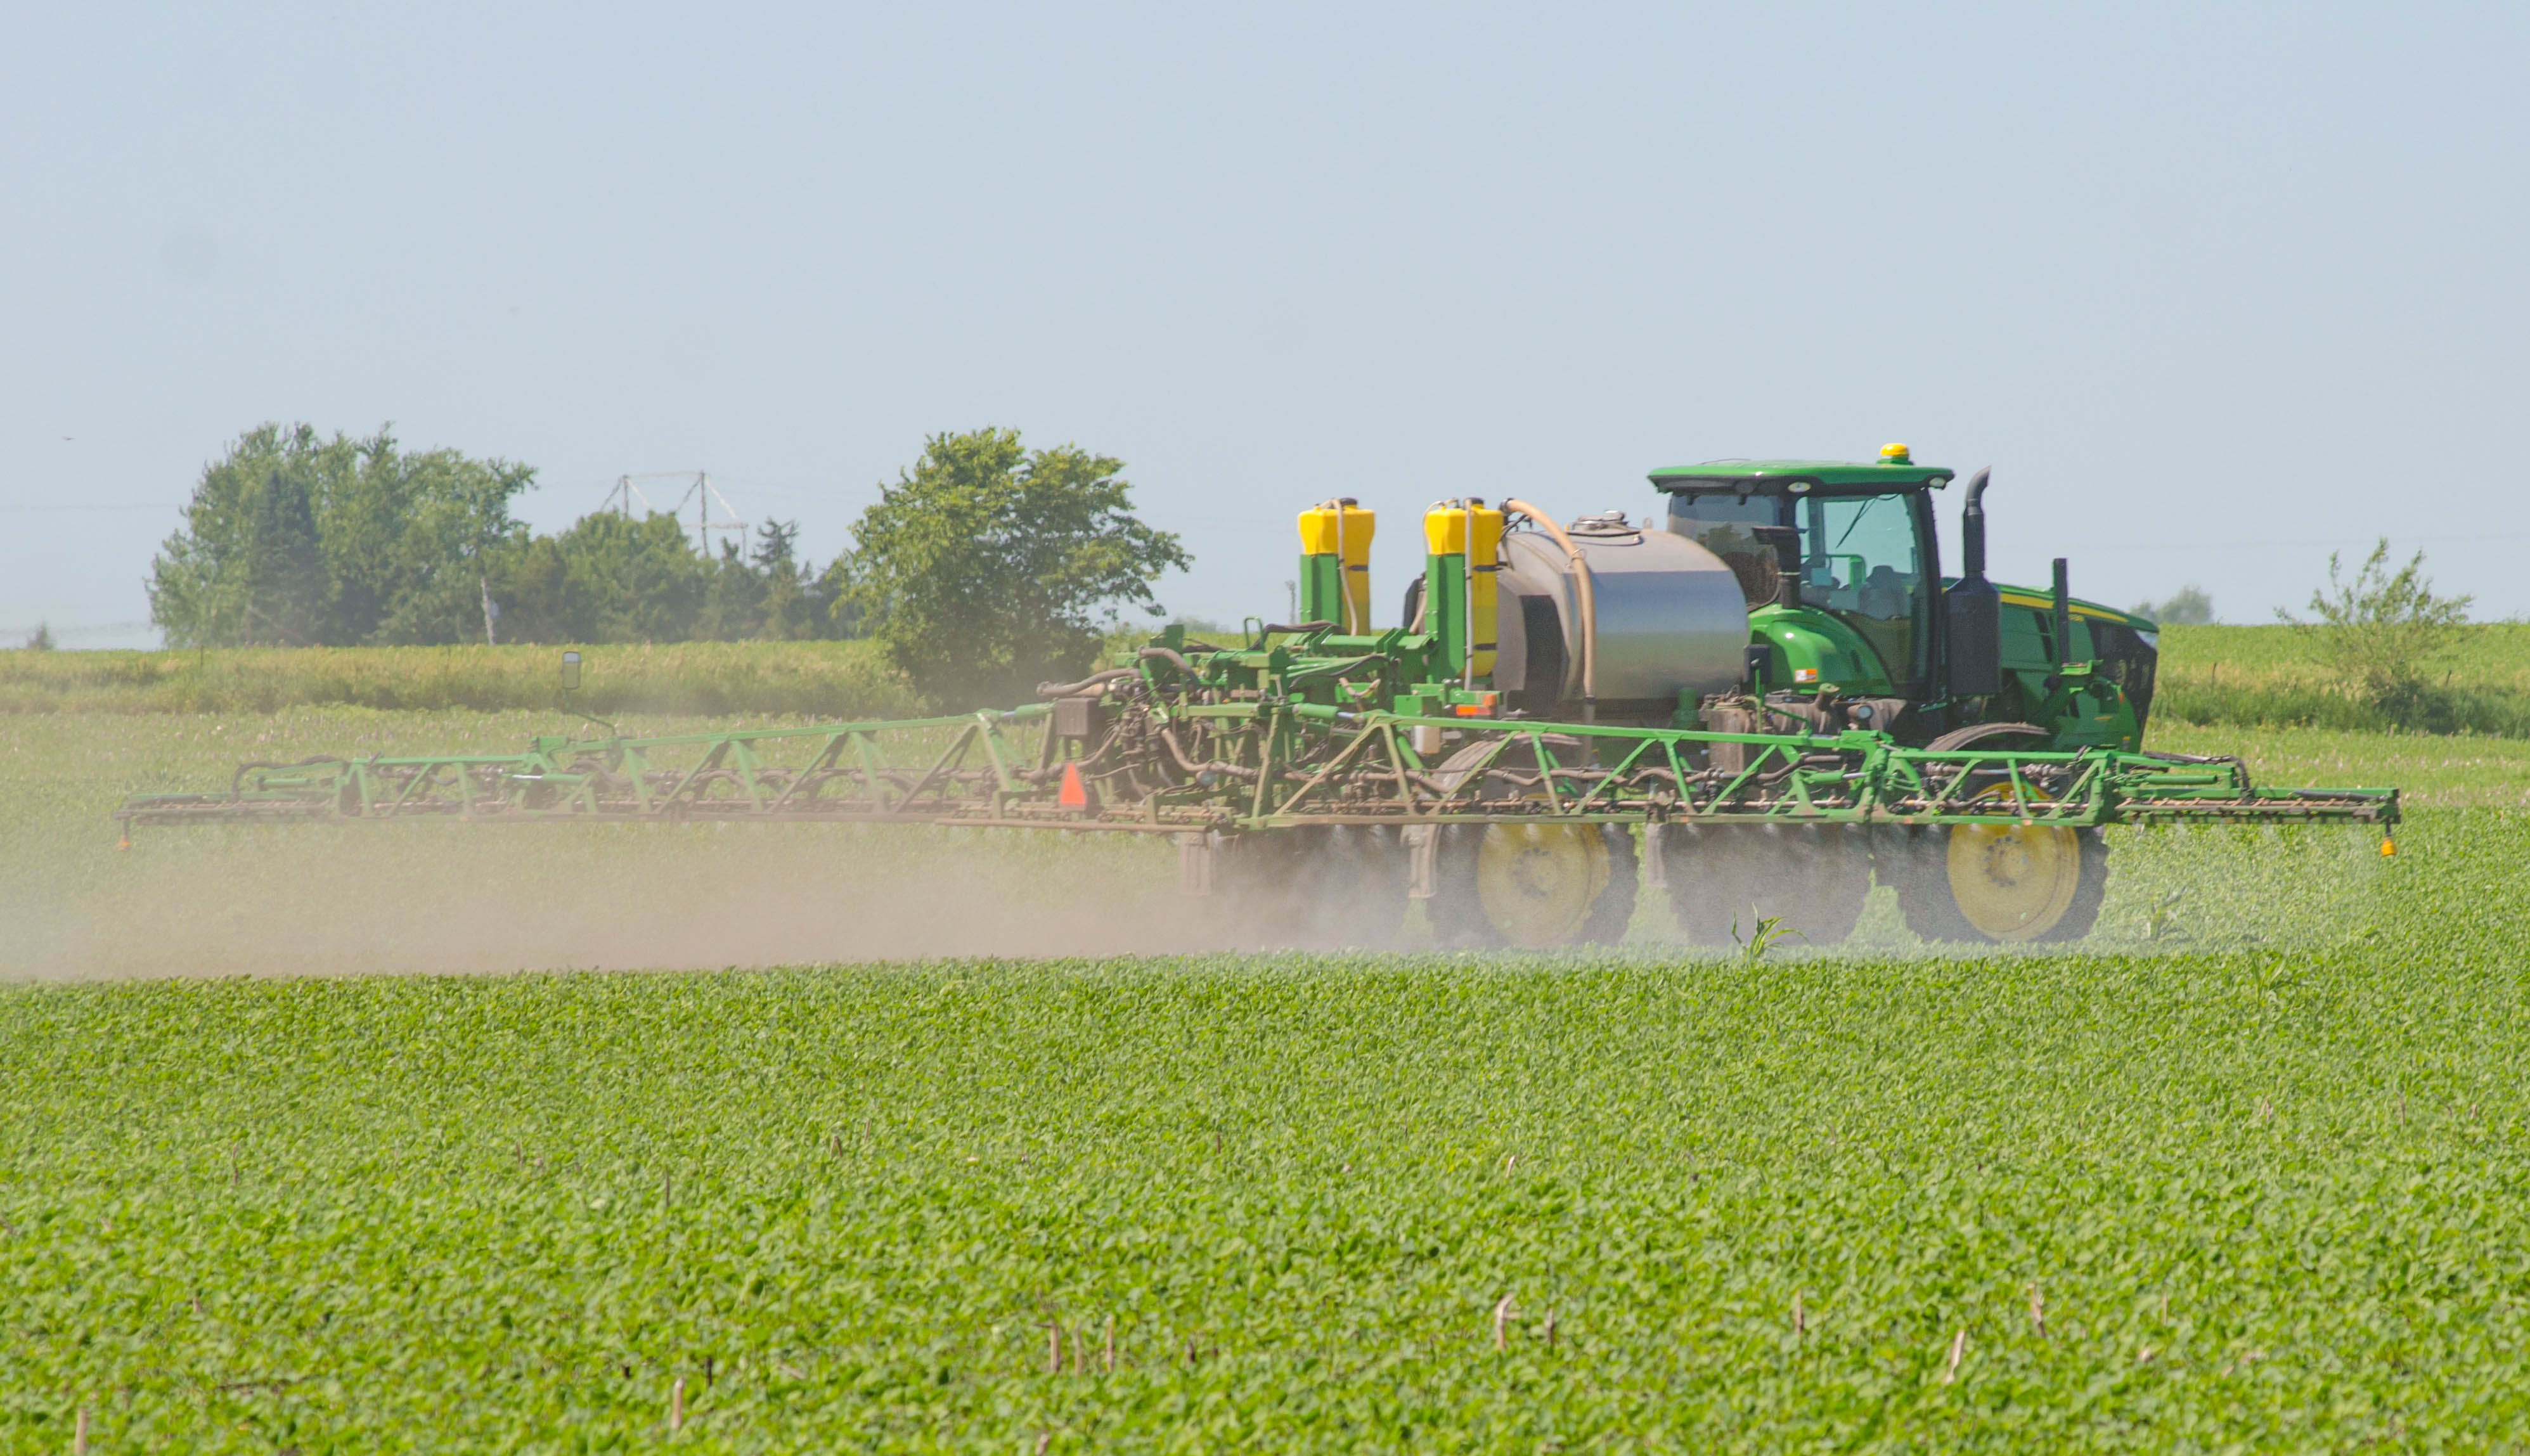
2014	882
1537	881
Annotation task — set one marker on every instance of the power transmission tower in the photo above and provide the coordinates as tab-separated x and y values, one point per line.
700	493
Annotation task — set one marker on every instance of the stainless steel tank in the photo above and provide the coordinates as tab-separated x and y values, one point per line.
1671	619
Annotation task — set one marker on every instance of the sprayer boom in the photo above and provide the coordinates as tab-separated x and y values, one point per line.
1441	760
1162	761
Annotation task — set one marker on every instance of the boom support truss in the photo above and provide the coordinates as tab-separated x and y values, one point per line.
1171	763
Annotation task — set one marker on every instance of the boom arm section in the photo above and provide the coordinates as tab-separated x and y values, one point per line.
1260	739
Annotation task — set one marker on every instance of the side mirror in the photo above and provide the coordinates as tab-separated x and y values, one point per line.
571	671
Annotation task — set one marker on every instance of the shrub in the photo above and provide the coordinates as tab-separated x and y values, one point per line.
2383	632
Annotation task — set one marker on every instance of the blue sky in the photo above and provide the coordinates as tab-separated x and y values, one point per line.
2215	290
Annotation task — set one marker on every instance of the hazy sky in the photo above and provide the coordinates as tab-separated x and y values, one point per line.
2215	290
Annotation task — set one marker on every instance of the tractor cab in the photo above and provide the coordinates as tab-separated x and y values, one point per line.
1851	621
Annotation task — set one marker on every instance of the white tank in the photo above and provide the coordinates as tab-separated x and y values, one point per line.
1672	619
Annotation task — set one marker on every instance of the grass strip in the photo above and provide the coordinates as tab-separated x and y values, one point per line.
822	679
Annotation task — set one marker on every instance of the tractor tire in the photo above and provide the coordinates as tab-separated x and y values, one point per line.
1316	887
1724	879
2025	884
1533	887
1530	884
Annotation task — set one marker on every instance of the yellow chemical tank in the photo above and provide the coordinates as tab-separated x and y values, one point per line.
1464	541
1335	563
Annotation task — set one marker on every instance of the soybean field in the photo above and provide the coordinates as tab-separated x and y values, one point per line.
2245	1172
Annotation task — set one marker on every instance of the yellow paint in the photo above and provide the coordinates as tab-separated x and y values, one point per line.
1338	529
1446	530
2047	604
2014	882
1344	531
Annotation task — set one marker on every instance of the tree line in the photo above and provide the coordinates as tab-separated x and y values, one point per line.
983	566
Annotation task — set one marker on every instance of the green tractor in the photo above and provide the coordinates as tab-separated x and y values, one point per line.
1852	623
1839	568
1793	598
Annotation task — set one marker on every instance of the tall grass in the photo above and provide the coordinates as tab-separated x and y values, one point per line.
2269	677
2280	677
832	679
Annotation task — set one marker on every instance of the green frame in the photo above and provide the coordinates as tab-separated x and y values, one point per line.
1287	764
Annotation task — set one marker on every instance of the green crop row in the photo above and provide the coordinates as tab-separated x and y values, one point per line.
2266	1197
829	679
2247	1172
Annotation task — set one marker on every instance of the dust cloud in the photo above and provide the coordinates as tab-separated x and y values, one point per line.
353	899
368	898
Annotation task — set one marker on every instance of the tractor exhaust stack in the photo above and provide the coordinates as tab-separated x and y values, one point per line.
2064	619
1973	605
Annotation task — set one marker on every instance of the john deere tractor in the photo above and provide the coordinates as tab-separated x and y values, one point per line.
1852	622
1852	619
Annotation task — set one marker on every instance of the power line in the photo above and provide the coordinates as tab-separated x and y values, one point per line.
33	506
95	629
2336	544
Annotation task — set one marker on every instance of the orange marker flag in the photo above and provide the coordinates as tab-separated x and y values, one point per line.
1073	795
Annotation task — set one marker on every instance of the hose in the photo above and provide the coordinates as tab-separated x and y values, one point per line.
1589	598
1344	567
1173	657
1066	690
1167	735
1338	667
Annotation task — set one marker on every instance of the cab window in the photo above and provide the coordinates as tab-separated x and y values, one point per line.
1860	560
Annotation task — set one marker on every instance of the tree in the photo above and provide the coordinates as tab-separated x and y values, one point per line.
284	566
994	565
2384	629
2188	605
442	518
769	594
609	578
789	603
293	539
987	568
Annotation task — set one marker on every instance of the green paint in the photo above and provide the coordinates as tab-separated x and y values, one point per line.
1807	640
1322	588
1828	473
